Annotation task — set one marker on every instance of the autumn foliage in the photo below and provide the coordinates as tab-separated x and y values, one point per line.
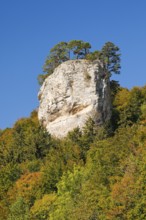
99	173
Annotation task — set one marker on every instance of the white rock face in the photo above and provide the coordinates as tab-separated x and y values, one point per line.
75	91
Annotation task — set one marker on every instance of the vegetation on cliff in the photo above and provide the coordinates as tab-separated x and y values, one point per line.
109	56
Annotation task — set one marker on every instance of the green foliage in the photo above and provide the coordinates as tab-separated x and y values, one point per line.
19	210
114	87
8	175
62	52
33	166
26	141
66	156
58	54
68	190
90	132
93	56
105	187
96	173
129	105
22	140
128	192
79	48
43	207
109	57
143	111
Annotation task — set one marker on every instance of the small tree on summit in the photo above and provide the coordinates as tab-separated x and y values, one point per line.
79	48
110	58
58	54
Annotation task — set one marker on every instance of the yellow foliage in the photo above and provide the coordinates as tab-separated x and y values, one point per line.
42	207
122	98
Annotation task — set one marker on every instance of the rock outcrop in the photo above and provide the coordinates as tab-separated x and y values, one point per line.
75	91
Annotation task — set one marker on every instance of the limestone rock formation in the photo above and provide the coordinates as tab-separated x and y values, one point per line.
75	91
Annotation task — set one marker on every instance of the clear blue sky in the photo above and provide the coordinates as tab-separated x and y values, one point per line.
29	28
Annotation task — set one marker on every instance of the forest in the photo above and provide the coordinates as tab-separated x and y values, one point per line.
95	174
